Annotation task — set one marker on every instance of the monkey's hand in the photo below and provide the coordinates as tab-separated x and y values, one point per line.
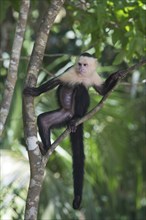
119	74
31	91
72	125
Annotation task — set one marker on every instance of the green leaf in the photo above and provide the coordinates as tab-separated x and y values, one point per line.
119	58
3	9
16	4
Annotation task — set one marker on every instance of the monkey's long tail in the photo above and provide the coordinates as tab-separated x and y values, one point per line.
78	164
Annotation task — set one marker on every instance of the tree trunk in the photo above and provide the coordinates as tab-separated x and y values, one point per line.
37	162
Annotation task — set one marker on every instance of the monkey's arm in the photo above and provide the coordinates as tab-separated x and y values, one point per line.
109	83
43	88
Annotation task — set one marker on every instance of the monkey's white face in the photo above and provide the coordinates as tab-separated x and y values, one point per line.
85	66
84	71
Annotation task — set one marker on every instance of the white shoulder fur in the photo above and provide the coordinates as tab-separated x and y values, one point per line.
72	77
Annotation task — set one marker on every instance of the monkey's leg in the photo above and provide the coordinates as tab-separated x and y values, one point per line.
48	120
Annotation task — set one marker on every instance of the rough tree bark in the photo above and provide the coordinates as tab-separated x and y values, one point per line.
37	166
14	62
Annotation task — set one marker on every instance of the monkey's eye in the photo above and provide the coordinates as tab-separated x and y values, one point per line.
79	64
85	64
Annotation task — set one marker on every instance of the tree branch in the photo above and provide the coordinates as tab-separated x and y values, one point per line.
14	62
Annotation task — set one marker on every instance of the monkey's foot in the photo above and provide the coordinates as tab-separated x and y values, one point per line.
72	126
42	148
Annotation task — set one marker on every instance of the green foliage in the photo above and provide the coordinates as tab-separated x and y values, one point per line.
5	5
107	21
13	184
3	9
115	175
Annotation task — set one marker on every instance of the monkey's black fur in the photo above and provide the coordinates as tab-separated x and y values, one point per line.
86	55
78	164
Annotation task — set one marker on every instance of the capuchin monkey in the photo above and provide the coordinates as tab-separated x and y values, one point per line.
73	101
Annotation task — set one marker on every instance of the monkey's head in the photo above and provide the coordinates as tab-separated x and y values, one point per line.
86	64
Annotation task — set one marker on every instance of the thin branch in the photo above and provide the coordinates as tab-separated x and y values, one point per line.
14	62
133	84
135	66
45	55
46	71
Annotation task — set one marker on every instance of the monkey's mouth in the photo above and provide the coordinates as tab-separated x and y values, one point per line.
82	72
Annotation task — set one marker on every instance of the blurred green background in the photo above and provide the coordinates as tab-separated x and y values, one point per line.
115	138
